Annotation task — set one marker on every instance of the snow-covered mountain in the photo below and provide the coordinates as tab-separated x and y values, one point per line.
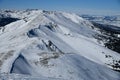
50	45
109	28
110	19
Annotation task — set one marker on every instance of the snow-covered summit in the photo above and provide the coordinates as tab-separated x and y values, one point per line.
56	45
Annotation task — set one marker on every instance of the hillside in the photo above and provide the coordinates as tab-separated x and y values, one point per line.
53	45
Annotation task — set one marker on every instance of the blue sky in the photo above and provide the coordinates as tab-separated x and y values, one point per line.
82	6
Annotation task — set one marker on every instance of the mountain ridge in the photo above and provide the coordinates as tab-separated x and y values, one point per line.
54	44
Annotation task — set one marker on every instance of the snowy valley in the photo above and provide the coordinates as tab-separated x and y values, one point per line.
51	45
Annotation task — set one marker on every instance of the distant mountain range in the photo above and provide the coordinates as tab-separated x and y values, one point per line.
113	19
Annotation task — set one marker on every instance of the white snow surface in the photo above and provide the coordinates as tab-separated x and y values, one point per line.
108	19
46	45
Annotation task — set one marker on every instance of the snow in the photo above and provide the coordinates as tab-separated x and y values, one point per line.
5	76
73	17
53	46
89	49
110	19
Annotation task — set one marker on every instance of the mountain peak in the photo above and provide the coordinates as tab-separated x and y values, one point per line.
56	45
